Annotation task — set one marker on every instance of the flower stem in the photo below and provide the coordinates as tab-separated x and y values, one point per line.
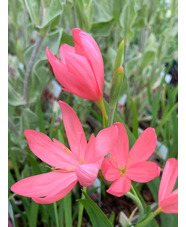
11	196
111	115
103	111
81	207
149	218
56	214
137	201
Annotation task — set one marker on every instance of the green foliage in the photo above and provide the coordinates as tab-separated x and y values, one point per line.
96	215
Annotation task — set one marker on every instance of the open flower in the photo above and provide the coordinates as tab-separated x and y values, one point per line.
124	166
168	199
81	163
81	69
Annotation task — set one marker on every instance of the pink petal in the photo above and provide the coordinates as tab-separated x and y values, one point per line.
170	204
56	197
73	83
119	153
64	49
110	172
143	147
143	171
90	150
168	180
120	186
79	67
101	145
46	184
74	130
105	141
86	46
87	173
53	153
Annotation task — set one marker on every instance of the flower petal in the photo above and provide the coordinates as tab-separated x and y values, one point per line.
143	171
56	197
79	66
86	46
74	130
64	49
73	83
143	147
110	172
101	145
168	180
120	151
87	173
170	204
120	186
46	184
53	153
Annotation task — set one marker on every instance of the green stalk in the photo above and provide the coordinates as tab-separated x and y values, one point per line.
103	111
81	207
136	200
56	214
149	218
111	115
11	196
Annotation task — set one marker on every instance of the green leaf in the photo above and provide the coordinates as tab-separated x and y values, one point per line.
41	117
153	185
96	215
150	51
14	162
112	217
170	220
156	103
34	164
68	210
33	214
14	98
142	15
117	7
84	14
29	120
33	7
131	66
52	40
61	211
165	118
102	28
50	11
102	11
53	10
127	19
135	118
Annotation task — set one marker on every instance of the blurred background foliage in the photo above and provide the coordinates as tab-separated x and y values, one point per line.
149	94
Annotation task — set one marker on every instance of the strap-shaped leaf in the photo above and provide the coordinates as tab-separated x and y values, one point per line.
96	215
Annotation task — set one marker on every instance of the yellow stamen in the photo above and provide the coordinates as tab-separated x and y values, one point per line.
123	171
59	168
66	150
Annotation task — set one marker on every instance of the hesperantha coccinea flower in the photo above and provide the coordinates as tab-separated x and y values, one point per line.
81	69
81	163
124	166
167	198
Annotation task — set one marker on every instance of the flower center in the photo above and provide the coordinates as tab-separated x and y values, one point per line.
123	171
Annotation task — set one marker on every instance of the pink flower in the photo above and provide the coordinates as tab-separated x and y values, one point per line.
81	69
81	163
124	166
168	200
